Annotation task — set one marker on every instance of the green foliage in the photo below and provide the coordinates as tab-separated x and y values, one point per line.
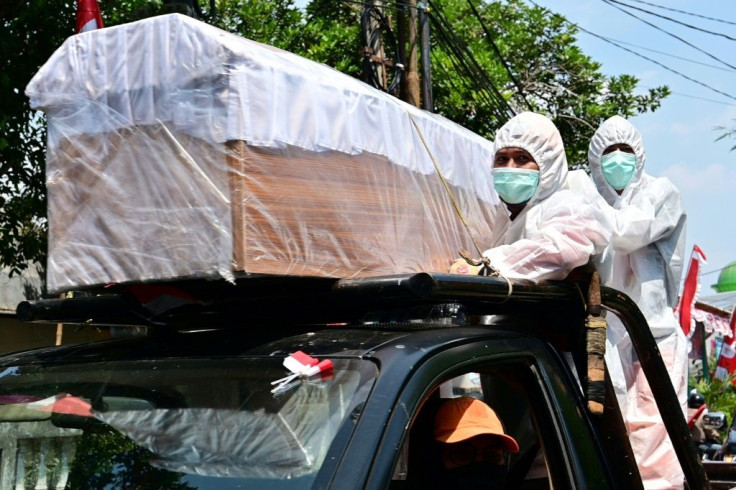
554	75
30	36
720	395
274	22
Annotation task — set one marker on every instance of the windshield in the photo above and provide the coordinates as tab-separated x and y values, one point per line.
175	424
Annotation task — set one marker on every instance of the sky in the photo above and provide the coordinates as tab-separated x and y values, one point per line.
679	138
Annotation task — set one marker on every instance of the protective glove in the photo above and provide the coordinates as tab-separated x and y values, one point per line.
461	266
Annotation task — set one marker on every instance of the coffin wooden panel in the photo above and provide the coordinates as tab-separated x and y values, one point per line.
148	203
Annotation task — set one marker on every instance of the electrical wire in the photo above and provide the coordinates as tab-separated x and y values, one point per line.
701	98
500	56
671	55
376	32
470	78
465	62
396	5
669	34
689	26
477	72
662	65
684	12
638	54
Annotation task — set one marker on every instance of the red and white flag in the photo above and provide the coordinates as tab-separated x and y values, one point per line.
690	290
88	16
727	360
303	366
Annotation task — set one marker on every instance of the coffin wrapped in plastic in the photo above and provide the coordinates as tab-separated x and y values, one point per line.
177	150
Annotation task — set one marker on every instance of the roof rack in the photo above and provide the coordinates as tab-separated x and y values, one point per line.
317	299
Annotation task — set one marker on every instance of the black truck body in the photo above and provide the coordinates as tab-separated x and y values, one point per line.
189	400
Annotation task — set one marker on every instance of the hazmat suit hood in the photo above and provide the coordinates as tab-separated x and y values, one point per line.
562	226
539	136
615	130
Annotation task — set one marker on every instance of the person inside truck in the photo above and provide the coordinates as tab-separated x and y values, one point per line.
549	228
648	243
474	449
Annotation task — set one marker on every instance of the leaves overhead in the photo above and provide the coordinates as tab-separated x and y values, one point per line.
540	68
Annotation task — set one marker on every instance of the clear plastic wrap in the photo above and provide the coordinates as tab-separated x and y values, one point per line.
177	150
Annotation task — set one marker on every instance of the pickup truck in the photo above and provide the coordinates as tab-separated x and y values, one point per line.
192	392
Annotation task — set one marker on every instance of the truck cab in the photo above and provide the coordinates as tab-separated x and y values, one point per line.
193	391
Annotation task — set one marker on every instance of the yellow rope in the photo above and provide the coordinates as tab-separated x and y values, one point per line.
484	260
445	184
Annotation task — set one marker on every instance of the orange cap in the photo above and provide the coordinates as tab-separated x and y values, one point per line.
461	418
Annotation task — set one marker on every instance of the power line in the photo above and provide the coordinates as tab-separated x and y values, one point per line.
463	59
500	56
689	26
684	12
669	34
670	55
638	54
701	98
660	64
458	59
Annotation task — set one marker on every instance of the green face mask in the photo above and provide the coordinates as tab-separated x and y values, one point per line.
515	185
618	167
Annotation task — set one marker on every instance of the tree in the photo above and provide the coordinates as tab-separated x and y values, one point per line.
547	72
31	35
540	67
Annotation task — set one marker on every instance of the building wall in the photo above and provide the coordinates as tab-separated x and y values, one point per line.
16	335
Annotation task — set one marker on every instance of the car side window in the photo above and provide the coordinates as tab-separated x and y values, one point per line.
424	460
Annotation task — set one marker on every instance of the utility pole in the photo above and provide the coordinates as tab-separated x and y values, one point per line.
413	91
401	38
376	44
427	100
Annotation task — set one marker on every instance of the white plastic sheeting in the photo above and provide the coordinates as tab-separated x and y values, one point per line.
287	443
145	181
648	242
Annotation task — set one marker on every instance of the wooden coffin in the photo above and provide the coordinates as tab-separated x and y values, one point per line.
239	163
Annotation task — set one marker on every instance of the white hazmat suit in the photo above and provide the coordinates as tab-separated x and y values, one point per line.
648	244
559	229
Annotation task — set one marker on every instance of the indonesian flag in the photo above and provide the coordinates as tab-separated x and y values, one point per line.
302	366
305	365
727	360
88	16
690	290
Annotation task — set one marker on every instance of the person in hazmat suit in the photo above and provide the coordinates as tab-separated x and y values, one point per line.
648	244
553	224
